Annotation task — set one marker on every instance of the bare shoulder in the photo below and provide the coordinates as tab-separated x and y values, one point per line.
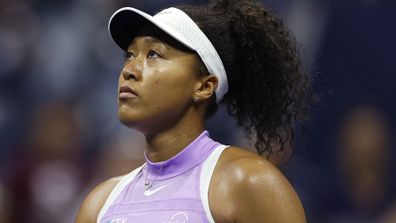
94	201
243	166
255	190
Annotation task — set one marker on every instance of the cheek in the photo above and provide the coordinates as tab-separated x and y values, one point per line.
170	89
168	97
167	84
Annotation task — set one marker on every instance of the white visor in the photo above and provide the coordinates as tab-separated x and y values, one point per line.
126	22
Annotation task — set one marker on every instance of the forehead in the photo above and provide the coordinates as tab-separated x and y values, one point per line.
156	35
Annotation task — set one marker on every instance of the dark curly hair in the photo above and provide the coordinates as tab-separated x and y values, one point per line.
269	90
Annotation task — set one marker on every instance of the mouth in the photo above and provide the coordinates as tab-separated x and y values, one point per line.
127	92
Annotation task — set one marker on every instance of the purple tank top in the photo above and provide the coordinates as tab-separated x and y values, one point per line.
176	192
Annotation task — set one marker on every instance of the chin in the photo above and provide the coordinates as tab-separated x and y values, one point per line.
128	121
144	126
133	123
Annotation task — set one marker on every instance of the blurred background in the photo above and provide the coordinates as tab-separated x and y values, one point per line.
60	135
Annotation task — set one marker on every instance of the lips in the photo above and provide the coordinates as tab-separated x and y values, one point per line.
127	92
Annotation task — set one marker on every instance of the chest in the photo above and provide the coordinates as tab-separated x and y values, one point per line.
174	200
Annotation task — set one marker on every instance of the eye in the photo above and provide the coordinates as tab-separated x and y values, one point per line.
129	55
152	54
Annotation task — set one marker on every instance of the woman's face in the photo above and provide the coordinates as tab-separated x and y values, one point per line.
157	82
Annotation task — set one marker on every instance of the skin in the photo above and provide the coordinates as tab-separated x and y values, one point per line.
245	187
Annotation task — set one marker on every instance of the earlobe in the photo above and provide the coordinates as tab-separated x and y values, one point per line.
196	99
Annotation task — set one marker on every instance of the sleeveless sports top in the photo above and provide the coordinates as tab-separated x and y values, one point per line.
179	191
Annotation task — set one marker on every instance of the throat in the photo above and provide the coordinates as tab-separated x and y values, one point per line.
188	157
163	146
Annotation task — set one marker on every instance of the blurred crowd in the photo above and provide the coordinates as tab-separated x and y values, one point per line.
60	135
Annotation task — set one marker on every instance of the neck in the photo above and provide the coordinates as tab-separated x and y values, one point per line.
165	144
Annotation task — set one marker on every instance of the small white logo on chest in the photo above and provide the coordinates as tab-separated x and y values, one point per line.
179	217
150	192
117	220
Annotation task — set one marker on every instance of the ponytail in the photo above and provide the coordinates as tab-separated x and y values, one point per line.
268	88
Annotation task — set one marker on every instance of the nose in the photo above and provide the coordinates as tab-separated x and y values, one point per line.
128	74
131	71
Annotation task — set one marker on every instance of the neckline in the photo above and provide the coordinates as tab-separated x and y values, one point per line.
192	155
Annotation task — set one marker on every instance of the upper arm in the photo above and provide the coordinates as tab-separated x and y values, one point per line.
263	194
94	201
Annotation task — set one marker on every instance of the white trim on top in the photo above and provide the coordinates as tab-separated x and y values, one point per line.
117	190
206	176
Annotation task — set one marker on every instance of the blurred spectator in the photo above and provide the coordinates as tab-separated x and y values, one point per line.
47	177
121	155
363	158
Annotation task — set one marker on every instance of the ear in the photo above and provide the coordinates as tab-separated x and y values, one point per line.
205	87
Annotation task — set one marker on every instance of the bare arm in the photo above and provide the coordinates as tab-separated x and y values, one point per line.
265	195
247	188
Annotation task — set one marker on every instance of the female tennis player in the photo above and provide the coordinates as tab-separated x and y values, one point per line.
180	65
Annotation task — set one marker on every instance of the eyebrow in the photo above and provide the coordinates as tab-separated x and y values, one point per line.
155	40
